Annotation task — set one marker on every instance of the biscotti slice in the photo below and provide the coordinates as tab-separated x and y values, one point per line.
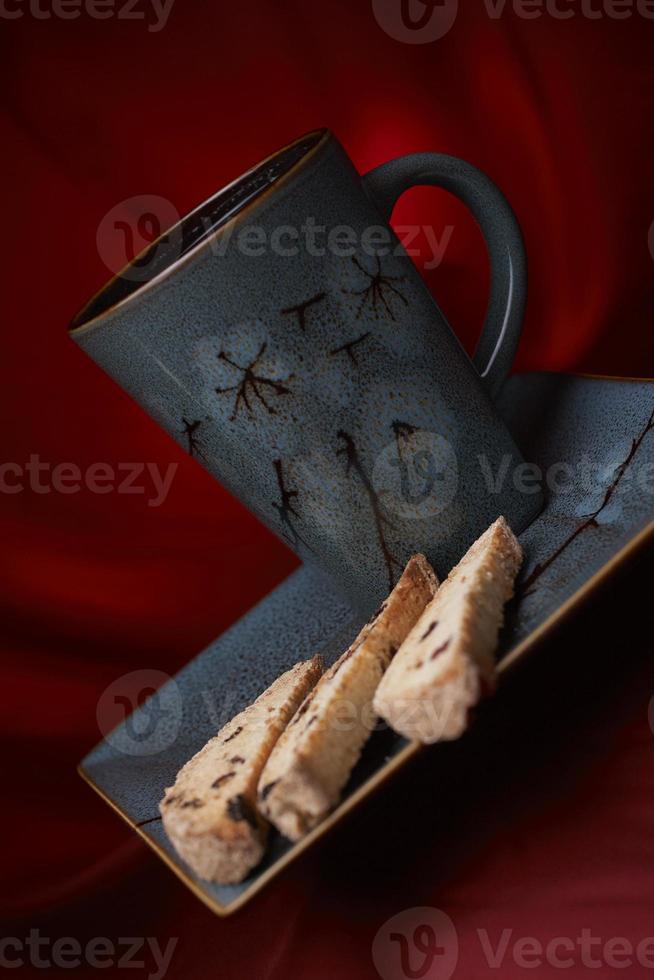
210	813
312	760
447	661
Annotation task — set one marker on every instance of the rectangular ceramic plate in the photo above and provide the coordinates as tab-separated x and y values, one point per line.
594	440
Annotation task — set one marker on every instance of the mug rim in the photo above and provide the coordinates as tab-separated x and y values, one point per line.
83	321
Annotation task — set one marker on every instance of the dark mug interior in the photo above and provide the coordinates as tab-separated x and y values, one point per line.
166	250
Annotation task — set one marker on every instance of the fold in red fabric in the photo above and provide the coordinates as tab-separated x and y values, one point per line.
545	834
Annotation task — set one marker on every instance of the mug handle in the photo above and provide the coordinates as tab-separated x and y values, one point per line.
497	345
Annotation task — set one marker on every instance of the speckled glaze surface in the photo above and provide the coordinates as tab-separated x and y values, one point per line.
595	449
326	391
602	431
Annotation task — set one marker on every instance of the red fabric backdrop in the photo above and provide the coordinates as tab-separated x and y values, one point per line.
543	826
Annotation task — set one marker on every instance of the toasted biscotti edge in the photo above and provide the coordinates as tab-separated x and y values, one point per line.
313	759
210	813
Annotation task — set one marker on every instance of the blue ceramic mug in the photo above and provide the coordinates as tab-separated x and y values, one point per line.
282	335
